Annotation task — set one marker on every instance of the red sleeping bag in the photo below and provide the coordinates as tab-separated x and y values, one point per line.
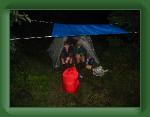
70	80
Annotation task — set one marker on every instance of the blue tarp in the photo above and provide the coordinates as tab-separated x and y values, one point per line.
61	30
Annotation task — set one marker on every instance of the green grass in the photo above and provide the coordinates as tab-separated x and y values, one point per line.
35	84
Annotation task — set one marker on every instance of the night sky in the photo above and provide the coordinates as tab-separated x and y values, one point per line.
57	16
70	16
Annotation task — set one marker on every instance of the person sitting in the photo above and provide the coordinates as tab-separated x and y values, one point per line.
80	53
80	57
67	54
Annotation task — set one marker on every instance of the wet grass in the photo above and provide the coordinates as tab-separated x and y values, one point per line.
35	84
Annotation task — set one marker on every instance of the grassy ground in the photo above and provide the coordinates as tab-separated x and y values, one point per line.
35	84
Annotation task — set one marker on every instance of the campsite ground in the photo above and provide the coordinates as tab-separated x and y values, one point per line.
34	84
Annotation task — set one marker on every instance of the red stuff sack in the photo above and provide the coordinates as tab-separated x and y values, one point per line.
70	80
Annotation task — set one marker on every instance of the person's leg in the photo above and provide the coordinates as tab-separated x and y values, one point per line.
78	58
79	65
63	61
70	62
67	60
63	64
82	58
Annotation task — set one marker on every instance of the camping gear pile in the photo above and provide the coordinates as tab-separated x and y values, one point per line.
57	45
61	33
70	80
